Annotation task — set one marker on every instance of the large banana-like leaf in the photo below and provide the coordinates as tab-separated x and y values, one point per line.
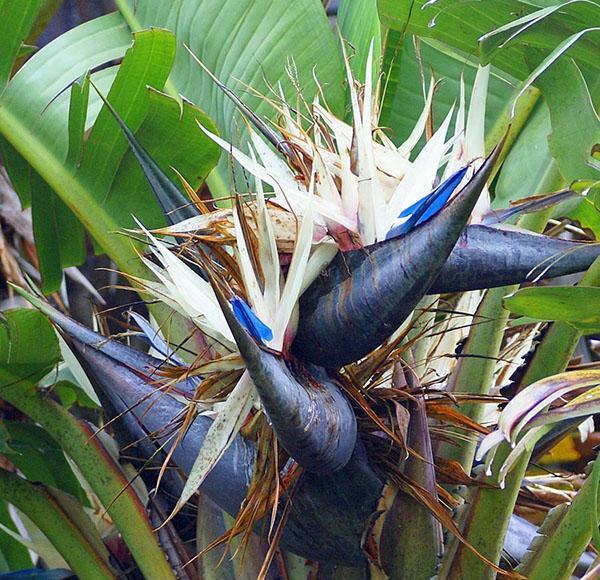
358	21
557	142
250	45
519	179
404	92
575	122
461	25
46	75
97	179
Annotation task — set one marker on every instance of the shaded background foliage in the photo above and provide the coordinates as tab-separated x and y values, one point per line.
544	157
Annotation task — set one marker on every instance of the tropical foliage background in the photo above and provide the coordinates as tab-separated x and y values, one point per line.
73	191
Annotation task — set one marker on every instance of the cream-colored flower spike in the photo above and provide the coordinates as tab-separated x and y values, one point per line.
365	186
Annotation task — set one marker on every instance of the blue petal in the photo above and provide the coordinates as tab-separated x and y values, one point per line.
252	323
38	574
428	206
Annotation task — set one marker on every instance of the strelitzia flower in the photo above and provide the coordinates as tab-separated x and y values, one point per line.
371	228
354	233
406	212
366	189
259	310
330	510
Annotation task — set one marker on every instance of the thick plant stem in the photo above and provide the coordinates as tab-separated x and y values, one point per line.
559	554
489	511
100	470
474	371
69	530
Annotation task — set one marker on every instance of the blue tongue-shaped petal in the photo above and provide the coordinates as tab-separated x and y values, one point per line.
424	209
312	419
252	323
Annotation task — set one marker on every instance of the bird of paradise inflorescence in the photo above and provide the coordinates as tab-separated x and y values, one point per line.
313	276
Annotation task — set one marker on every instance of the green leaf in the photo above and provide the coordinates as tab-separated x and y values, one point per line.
42	122
578	305
60	240
39	458
28	346
59	237
13	554
71	395
542	25
246	43
43	126
166	127
587	213
462	24
458	25
158	130
358	22
406	89
64	523
575	123
528	167
392	48
78	108
34	93
147	63
17	20
558	554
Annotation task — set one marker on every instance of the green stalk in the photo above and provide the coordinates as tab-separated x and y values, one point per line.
100	470
513	124
128	14
560	551
66	526
474	373
489	510
423	320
